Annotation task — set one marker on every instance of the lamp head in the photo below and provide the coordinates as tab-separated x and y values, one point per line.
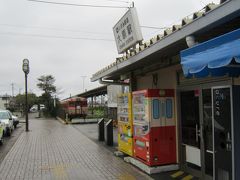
190	40
25	66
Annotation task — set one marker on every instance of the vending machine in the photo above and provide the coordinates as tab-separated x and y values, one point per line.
154	126
125	124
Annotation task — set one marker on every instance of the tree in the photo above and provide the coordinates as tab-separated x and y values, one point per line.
46	84
20	100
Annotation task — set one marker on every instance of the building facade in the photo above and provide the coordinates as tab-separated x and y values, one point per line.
205	77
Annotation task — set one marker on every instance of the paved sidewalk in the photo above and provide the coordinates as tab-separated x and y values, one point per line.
10	141
52	150
91	131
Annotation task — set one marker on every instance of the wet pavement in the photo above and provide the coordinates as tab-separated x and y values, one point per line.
91	131
10	141
52	150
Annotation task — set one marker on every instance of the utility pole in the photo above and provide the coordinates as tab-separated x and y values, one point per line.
54	100
12	89
83	79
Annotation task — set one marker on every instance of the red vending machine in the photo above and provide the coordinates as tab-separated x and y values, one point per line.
154	126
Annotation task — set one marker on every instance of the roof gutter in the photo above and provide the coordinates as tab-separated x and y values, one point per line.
101	81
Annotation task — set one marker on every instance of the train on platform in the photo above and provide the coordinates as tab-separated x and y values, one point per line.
75	107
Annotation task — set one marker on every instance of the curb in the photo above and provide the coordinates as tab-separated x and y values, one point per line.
61	120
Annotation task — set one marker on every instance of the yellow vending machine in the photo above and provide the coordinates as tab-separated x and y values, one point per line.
125	124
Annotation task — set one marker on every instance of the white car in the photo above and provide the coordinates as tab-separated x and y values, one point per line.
2	125
14	118
33	109
7	122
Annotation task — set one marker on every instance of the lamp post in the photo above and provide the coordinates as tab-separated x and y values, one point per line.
25	68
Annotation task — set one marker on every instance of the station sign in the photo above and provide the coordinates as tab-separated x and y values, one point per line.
113	91
127	31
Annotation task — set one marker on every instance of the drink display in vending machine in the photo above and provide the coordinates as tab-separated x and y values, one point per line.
125	124
154	126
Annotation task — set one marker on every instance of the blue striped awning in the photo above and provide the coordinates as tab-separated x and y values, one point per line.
216	57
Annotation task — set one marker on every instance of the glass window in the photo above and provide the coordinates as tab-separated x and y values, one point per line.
138	99
141	130
83	103
169	108
140	143
156	114
71	104
189	117
4	115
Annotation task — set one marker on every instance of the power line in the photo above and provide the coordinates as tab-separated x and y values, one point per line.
176	21
152	27
56	37
52	28
157	29
118	1
200	1
82	5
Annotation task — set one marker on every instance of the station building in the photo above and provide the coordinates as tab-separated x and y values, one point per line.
200	59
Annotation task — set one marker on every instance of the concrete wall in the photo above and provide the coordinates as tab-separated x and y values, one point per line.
2	103
167	79
237	81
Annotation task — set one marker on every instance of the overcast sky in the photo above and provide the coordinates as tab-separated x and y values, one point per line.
50	36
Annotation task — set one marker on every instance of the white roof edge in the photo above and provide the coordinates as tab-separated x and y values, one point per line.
209	18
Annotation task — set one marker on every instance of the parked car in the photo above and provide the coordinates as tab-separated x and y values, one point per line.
34	108
1	132
14	118
7	120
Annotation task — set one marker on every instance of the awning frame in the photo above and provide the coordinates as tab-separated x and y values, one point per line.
215	57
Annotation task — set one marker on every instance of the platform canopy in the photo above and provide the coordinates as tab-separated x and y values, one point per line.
216	57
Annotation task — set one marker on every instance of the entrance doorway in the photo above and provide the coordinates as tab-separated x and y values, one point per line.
197	132
206	132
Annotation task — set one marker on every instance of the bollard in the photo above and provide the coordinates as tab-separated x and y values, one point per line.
101	129
109	133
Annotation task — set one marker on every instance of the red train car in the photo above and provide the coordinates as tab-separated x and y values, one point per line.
75	107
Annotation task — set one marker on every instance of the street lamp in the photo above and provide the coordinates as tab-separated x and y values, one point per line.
25	68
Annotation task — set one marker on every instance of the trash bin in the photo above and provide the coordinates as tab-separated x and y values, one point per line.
109	133
101	130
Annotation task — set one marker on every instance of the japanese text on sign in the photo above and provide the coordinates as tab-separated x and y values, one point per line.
127	31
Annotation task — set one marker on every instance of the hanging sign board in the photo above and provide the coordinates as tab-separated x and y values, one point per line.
127	31
113	91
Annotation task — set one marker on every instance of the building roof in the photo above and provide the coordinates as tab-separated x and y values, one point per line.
91	93
213	20
94	92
